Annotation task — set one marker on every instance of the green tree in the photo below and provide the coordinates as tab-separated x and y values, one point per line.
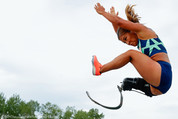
33	106
81	115
12	108
50	111
94	114
68	114
2	104
28	109
16	108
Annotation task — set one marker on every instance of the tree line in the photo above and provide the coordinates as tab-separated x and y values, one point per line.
16	108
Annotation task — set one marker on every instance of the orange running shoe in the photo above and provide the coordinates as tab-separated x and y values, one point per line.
96	66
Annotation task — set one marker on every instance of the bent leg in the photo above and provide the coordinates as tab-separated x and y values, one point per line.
139	84
149	69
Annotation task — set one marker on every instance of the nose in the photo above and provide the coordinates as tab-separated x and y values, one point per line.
127	42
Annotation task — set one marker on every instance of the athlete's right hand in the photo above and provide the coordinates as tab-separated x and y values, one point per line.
112	11
99	9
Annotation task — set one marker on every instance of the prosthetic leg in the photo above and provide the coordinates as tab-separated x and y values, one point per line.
137	83
128	84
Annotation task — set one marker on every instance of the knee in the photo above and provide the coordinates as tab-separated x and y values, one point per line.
131	53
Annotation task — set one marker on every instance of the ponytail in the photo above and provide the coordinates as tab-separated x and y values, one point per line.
131	16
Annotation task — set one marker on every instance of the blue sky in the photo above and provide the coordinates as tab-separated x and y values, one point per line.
47	45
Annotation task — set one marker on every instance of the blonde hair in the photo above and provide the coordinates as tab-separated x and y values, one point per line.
131	16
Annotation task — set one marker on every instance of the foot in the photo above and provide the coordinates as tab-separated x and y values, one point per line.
96	66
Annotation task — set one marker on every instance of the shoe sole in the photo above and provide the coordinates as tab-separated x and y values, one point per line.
93	66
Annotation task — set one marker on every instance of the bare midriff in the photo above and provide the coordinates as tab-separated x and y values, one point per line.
160	57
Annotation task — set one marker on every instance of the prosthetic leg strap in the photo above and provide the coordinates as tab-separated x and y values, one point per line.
137	83
144	86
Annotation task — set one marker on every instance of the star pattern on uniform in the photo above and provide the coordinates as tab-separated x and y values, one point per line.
152	46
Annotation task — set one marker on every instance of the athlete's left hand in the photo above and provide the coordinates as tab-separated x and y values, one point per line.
99	9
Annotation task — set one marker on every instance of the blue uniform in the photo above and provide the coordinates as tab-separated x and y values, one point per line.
153	46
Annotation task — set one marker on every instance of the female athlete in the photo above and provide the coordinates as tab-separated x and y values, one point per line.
152	62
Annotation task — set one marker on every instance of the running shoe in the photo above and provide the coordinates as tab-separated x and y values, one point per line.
96	66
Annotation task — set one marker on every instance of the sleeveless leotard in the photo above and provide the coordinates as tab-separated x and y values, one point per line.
153	46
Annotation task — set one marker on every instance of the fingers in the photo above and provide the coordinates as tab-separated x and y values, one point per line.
97	5
100	9
112	8
117	13
112	11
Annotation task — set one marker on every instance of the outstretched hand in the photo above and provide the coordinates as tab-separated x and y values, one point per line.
99	9
111	16
112	11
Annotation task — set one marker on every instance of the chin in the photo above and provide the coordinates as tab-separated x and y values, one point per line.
134	45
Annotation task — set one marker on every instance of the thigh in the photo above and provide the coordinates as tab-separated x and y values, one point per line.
149	69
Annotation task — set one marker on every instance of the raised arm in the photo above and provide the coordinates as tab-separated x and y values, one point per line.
112	11
118	21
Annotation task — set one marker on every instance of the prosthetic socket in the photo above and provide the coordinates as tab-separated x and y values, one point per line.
137	83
